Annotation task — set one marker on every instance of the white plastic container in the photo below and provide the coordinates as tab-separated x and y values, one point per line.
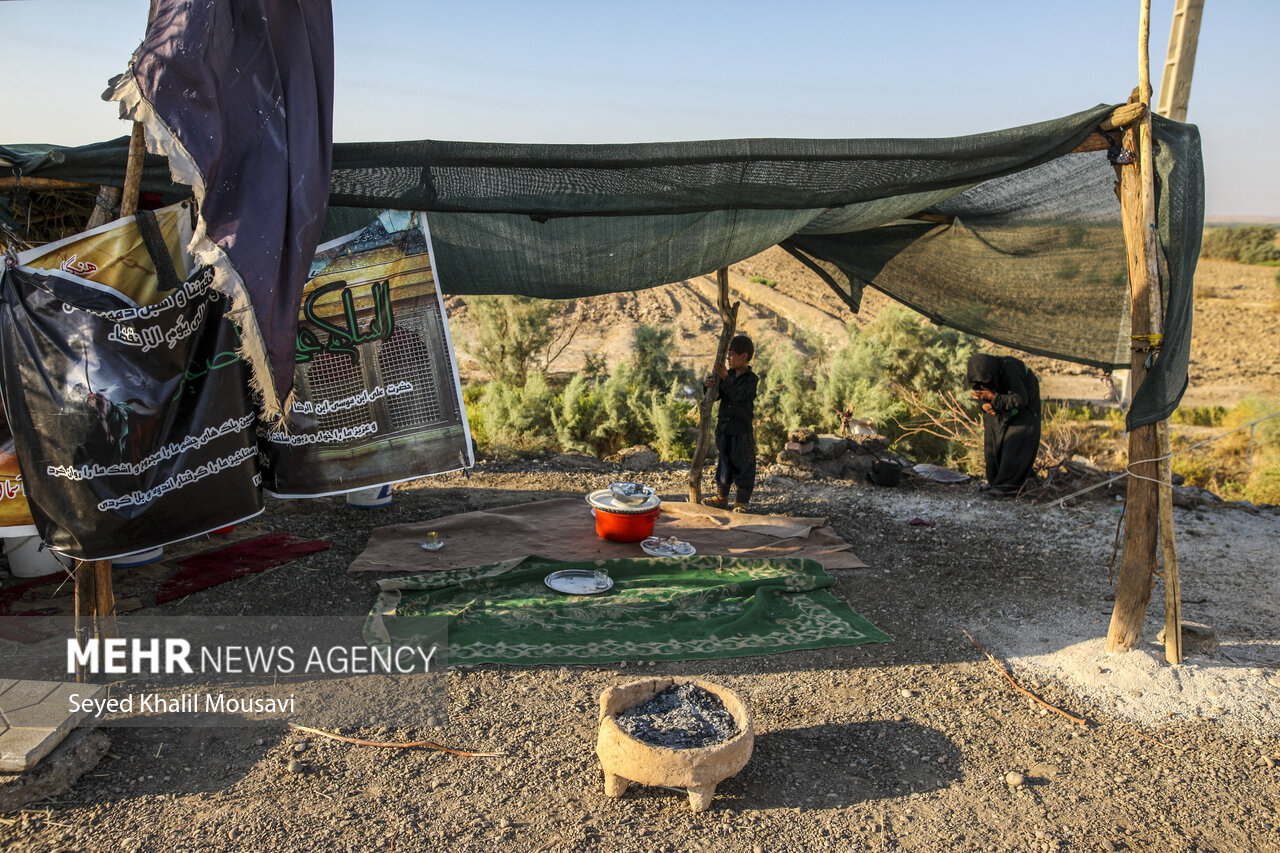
27	559
370	498
139	558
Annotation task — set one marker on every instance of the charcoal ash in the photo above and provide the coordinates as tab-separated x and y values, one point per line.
684	716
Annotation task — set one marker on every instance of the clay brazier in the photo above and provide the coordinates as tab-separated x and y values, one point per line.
698	770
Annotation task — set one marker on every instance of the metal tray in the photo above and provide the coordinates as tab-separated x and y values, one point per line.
657	546
576	582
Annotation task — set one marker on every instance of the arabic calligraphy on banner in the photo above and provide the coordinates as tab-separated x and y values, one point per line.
376	396
130	430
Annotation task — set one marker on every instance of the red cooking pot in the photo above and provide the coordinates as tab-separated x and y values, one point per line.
620	522
625	527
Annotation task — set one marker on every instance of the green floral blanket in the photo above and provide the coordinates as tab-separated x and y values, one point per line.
658	609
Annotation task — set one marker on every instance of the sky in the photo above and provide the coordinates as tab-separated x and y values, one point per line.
616	71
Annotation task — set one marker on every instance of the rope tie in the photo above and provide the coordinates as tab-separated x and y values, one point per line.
1149	344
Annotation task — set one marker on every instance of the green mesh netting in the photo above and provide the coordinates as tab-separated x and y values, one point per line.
1030	253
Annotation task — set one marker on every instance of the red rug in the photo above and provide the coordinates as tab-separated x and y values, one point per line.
36	609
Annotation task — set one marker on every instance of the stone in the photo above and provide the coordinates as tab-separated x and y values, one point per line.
1197	639
638	458
294	766
799	448
76	755
578	462
791	471
35	716
791	457
1014	779
830	446
858	463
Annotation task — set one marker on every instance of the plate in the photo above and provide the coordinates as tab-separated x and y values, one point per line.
606	500
658	546
576	582
630	494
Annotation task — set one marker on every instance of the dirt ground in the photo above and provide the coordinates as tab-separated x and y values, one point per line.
919	744
906	745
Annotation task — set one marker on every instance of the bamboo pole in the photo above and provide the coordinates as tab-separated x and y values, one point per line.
1143	499
729	318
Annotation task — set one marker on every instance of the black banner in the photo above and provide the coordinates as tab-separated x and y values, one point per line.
134	423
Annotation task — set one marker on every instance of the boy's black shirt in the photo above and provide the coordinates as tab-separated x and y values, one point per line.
737	403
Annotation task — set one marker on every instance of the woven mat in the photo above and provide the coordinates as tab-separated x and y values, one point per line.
690	608
564	529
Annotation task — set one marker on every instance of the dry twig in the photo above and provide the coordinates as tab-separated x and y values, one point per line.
410	745
1156	742
1018	686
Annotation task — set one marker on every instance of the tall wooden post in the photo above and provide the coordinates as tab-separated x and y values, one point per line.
1143	499
95	594
729	317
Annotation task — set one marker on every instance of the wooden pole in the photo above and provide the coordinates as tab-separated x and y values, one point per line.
104	207
729	317
1143	498
133	171
95	593
1180	60
1169	555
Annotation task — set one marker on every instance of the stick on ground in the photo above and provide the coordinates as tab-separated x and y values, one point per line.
410	745
1018	686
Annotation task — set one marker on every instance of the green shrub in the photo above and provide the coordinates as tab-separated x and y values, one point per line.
1239	465
1208	416
510	332
1247	244
517	418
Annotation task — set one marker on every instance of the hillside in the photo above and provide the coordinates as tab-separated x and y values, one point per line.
1236	327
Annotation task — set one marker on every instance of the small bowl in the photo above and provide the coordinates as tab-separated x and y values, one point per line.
630	494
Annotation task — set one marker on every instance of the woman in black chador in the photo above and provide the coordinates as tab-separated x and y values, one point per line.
1010	396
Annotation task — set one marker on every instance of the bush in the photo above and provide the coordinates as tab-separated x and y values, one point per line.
1247	244
516	418
886	373
1233	466
510	332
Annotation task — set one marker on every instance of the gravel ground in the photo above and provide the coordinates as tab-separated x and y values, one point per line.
919	744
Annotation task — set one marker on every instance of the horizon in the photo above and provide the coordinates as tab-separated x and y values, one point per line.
567	71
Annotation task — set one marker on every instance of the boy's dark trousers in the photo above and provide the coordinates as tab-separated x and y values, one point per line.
736	465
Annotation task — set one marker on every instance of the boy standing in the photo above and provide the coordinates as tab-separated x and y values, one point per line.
735	425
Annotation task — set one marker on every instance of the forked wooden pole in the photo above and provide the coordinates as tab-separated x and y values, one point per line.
1149	488
729	317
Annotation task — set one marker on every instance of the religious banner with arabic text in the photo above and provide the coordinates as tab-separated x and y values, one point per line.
15	515
376	393
132	420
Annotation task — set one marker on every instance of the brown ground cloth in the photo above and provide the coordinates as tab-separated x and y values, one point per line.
564	529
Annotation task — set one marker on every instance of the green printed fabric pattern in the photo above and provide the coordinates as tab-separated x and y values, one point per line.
694	608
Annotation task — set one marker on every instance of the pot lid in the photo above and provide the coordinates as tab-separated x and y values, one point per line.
608	501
